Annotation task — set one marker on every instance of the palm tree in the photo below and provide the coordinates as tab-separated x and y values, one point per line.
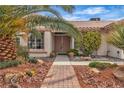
14	19
117	37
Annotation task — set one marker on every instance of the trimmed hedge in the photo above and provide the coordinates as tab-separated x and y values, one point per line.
101	65
10	63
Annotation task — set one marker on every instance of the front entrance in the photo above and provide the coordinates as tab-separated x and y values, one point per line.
61	44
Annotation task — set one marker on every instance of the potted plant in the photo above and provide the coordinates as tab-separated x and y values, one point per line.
52	54
72	52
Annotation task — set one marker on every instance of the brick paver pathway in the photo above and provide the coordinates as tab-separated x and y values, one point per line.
61	75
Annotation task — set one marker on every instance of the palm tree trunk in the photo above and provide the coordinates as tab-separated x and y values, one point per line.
7	49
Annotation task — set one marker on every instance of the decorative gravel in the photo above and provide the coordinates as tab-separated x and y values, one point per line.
90	79
27	81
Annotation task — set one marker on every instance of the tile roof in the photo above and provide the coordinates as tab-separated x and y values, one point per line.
91	24
85	25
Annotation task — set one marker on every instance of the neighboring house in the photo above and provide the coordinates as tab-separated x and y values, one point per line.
60	42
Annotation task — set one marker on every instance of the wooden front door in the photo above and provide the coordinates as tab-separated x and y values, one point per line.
62	44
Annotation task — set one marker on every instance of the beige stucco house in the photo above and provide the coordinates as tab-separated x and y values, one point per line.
59	41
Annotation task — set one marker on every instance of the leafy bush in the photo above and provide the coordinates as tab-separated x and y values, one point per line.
10	63
93	64
74	51
100	65
103	65
91	41
32	60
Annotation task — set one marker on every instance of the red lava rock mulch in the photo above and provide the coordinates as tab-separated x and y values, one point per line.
104	79
27	81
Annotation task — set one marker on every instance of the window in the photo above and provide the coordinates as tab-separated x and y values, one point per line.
36	42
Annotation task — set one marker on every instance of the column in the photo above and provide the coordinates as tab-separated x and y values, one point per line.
72	42
48	42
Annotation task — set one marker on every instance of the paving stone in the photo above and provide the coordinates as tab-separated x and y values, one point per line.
62	76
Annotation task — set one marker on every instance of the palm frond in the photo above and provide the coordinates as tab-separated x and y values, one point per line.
26	10
52	23
11	23
117	37
67	8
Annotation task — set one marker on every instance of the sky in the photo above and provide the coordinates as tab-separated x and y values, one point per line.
85	12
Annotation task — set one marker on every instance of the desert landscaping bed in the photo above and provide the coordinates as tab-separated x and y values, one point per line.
103	79
26	80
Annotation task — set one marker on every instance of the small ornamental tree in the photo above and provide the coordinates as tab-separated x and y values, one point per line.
91	41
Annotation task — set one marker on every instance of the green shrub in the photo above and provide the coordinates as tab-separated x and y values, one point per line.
32	60
10	63
101	65
93	64
74	51
91	41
